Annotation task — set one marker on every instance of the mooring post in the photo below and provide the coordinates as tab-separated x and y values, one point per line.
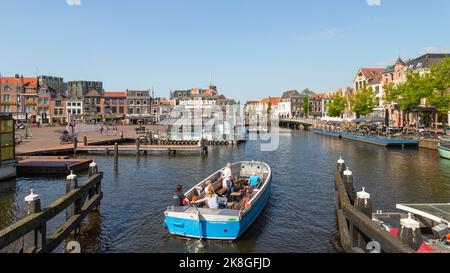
36	239
85	141
348	182
138	147
116	156
92	171
410	232
121	137
363	203
75	208
341	165
75	144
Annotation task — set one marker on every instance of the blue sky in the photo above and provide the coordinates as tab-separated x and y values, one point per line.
254	48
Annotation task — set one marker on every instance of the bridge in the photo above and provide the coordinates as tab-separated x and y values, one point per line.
296	123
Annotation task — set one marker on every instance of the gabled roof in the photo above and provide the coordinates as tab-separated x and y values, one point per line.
93	93
290	94
372	75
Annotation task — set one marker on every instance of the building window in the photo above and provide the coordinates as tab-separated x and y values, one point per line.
121	110
131	102
138	102
138	111
114	110
144	102
114	101
107	101
121	101
130	111
107	110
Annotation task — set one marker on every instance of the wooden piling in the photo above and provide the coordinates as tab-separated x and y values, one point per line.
358	219
36	238
85	141
75	208
116	156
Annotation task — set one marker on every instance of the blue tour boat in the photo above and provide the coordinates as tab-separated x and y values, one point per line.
234	219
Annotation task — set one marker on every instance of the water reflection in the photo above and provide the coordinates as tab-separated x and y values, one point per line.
299	217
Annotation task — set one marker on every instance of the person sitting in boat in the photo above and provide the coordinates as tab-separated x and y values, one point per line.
211	200
179	200
227	177
208	186
254	180
239	184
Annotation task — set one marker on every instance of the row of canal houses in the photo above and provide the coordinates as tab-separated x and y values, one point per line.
49	100
291	103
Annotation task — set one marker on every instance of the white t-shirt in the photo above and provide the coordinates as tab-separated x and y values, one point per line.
213	202
226	176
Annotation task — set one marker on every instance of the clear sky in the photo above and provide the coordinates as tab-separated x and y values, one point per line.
253	48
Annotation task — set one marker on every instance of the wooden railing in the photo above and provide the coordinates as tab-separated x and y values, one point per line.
29	235
354	219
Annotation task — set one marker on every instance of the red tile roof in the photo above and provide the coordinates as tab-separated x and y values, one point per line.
271	100
27	81
115	94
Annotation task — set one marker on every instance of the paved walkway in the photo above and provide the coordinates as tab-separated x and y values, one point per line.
47	138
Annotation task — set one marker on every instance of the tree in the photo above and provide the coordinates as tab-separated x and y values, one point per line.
363	102
308	93
433	85
337	106
439	86
306	106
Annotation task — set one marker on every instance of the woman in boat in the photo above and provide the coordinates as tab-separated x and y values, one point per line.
211	200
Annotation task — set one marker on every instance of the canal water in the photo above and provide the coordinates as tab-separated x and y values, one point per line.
298	218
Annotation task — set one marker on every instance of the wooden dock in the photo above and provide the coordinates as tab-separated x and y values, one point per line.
29	235
140	149
384	142
358	233
50	165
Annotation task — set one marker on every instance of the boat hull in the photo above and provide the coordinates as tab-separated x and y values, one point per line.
444	152
229	226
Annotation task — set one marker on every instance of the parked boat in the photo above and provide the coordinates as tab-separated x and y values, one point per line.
380	141
429	223
444	147
230	222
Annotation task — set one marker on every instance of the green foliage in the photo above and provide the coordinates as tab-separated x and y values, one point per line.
363	102
337	106
306	105
434	86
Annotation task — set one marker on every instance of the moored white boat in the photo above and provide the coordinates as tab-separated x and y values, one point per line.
444	147
227	223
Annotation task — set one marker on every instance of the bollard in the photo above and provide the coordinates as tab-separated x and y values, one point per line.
74	209
341	165
36	239
410	232
364	205
93	169
121	137
348	182
85	141
75	145
138	147
116	156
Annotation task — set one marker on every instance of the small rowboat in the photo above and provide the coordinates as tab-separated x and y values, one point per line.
227	223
